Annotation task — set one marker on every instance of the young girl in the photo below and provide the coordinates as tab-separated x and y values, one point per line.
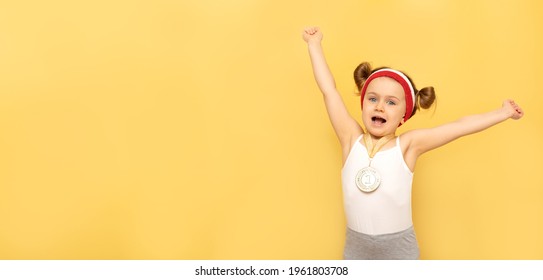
378	167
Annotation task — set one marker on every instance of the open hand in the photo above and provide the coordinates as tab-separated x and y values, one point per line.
312	34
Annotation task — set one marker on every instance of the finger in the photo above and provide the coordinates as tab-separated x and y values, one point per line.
520	113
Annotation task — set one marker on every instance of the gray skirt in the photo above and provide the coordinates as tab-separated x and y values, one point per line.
392	246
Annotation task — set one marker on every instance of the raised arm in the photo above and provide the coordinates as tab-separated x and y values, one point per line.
420	141
342	122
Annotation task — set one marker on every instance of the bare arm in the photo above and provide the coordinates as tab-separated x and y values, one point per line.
423	140
344	125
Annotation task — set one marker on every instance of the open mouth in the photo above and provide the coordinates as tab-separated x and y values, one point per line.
378	120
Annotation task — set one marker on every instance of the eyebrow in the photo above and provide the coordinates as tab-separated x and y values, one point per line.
386	96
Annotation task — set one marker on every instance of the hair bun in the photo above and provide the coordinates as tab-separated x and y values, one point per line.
426	97
361	73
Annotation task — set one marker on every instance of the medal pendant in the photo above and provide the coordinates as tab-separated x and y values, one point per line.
368	179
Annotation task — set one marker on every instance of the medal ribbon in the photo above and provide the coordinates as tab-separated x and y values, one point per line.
373	149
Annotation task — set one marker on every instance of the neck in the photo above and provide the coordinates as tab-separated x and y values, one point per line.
375	138
374	144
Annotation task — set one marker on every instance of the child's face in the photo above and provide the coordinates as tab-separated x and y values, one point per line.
384	106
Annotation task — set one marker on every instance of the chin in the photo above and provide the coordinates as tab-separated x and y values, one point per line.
376	132
380	131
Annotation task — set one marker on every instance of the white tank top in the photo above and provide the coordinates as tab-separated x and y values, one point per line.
387	209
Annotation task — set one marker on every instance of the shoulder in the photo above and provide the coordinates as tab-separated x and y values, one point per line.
408	148
355	137
351	137
406	139
347	147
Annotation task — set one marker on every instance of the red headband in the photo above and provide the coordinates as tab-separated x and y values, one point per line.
402	80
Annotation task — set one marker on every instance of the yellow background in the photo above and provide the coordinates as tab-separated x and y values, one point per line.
194	129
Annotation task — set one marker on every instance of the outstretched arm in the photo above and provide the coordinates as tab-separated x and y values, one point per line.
344	125
420	141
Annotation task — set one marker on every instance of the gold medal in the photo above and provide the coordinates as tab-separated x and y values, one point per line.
368	178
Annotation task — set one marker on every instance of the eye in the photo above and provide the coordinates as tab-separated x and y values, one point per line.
390	102
372	99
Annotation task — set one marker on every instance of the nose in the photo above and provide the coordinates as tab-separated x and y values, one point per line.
379	107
